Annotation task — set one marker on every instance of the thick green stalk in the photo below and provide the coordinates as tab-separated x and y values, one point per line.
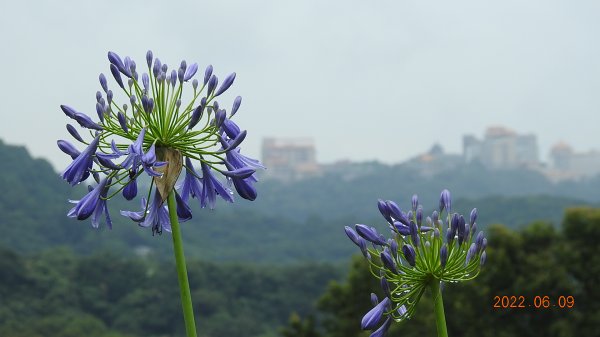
184	286
438	307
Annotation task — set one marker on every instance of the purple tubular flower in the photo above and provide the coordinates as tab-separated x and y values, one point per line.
372	318
382	329
352	235
245	188
184	213
83	119
443	255
192	185
454	222
117	75
473	216
370	235
190	72
212	84
240	173
388	261
479	241
156	70
157	217
103	82
212	187
236	141
130	190
68	148
236	105
226	84
450	236
393	247
85	207
76	171
105	160
414	233
230	128
100	111
122	121
208	73
74	132
146	81
173	77
219	118
482	259
414	202
419	216
470	253
409	254
445	201
180	74
149	58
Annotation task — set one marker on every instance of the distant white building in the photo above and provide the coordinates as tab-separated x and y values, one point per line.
289	159
502	148
568	164
434	161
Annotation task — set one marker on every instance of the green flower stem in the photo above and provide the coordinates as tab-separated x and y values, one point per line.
438	305
184	286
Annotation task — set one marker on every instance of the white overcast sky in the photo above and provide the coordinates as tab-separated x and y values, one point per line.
365	79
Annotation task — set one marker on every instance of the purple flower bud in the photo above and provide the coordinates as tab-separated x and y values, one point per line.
145	81
105	160
226	84
122	121
409	254
130	190
109	97
384	210
116	61
180	74
132	100
419	216
236	105
125	107
454	222
382	329
219	118
461	230
103	82
396	213
470	253
409	215
208	73
388	261
195	84
372	318
74	132
436	233
68	148
115	71
443	255
393	247
70	112
484	244
190	72
157	67
473	216
197	114
149	58
150	105
450	236
130	83
435	216
369	234
374	299
482	259
401	228
414	233
98	96
385	286
445	201
164	68
352	235
212	84
230	128
414	202
183	65
173	77
479	241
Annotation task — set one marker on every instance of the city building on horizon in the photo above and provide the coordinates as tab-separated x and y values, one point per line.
289	159
568	164
502	148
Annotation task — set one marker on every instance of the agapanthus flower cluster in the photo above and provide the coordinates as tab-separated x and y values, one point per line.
443	247
155	132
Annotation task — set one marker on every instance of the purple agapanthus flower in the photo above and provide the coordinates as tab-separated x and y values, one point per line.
153	134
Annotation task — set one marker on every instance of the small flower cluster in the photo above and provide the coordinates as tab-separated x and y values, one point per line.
417	254
154	133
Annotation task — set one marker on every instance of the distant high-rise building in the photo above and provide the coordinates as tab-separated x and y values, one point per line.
568	164
289	159
502	148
